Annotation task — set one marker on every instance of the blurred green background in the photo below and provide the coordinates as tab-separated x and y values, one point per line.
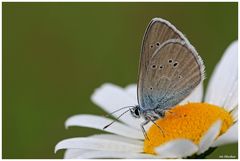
56	54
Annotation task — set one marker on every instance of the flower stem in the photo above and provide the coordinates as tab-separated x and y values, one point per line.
203	155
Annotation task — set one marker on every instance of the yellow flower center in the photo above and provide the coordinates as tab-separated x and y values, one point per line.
188	121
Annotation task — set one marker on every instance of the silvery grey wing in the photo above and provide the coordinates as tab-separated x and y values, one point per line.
157	32
172	73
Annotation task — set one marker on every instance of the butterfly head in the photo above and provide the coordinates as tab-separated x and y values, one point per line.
135	111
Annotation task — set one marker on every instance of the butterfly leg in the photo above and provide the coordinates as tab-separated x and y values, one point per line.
158	127
143	130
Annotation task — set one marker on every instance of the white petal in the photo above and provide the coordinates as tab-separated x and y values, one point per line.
118	138
111	97
81	153
98	122
231	100
195	96
178	148
234	114
207	140
97	144
74	153
132	91
222	88
230	136
109	154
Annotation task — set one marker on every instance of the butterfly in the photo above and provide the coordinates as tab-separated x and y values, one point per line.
169	70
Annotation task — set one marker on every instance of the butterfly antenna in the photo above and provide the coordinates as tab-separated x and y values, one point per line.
115	120
107	115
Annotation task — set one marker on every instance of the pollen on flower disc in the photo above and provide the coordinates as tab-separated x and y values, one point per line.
190	121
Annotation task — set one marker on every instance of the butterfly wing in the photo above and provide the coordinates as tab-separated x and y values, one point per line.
170	70
157	32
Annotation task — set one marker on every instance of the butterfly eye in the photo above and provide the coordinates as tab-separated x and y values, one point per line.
136	112
170	60
158	44
175	64
151	88
180	77
151	46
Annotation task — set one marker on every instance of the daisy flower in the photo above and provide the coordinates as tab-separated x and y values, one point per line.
192	129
